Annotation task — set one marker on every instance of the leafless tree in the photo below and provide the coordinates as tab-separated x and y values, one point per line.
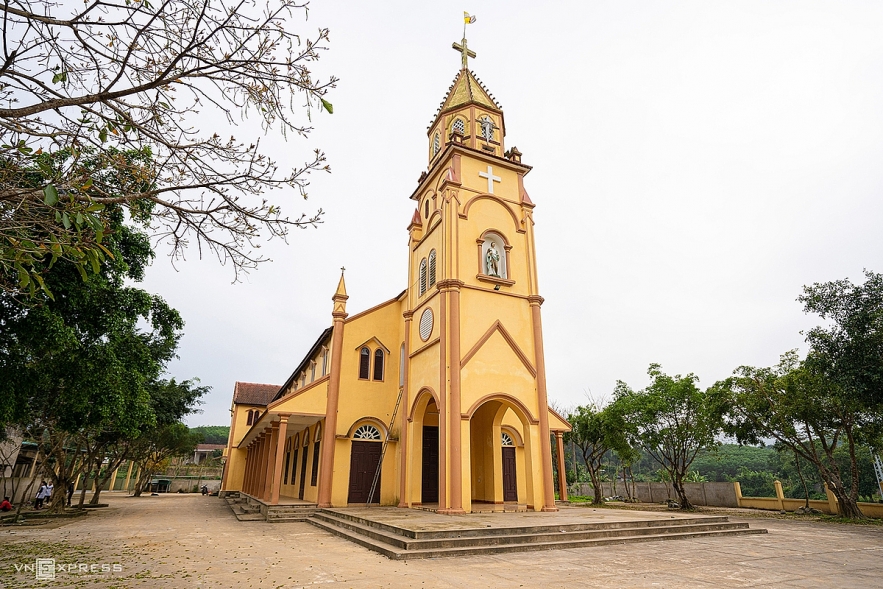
111	102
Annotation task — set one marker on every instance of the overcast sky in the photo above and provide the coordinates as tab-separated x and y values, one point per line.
695	164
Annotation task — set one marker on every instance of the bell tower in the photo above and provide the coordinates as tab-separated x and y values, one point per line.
473	326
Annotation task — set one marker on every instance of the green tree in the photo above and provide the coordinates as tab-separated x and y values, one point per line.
213	434
76	368
595	432
849	350
98	79
805	412
672	421
154	450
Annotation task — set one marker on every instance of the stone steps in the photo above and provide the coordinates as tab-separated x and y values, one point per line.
401	544
247	509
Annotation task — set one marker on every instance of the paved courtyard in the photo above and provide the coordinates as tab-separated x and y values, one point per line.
195	541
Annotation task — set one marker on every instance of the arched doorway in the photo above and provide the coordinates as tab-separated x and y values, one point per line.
425	457
364	460
501	463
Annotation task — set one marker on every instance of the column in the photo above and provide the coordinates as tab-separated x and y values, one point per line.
280	433
405	408
562	474
329	430
451	289
543	402
272	447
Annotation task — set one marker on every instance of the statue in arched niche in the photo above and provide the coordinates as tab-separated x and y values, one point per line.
492	261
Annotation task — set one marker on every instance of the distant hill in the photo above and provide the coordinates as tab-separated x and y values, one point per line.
213	434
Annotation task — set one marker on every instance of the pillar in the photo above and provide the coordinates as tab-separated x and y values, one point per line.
562	474
404	407
543	402
128	476
329	432
780	496
279	432
451	290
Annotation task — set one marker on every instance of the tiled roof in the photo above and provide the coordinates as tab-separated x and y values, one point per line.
209	447
252	393
465	89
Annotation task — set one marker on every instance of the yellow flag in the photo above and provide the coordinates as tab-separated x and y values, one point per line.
468	19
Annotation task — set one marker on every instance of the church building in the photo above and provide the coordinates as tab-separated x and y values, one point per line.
436	397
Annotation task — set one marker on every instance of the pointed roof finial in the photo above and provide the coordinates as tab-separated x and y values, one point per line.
341	286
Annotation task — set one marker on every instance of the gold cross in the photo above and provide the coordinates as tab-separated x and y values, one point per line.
465	51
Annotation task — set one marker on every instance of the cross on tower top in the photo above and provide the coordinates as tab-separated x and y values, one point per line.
465	52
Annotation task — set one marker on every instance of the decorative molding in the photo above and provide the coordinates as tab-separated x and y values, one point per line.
417	398
428	344
497	326
495	280
384	431
374	338
499	201
502	397
298	392
371	309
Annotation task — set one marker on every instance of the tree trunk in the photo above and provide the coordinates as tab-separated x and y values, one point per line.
802	480
142	477
678	484
848	505
596	487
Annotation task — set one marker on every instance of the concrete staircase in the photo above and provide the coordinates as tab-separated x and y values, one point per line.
249	509
401	544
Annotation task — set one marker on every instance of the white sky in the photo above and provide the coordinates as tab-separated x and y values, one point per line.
695	164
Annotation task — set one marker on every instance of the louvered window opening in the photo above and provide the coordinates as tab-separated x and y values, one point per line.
431	267
364	363
378	364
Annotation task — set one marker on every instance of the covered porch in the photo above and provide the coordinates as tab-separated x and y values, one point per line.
265	445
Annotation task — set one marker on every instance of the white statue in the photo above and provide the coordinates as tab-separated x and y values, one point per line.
492	261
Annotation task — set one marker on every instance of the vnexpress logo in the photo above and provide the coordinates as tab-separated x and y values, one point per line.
45	569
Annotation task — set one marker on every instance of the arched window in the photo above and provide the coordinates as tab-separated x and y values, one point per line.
459	126
402	366
378	364
250	417
324	362
422	277
426	209
314	472
431	267
306	438
436	144
506	439
364	363
367	432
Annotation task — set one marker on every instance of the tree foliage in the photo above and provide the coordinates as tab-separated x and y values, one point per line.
81	371
212	434
672	420
595	433
101	79
804	412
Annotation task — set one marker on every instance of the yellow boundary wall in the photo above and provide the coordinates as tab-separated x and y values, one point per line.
781	503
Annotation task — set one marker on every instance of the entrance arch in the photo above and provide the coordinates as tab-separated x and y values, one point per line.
501	457
426	460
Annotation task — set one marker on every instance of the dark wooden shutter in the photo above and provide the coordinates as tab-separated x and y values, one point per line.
314	475
364	363
378	364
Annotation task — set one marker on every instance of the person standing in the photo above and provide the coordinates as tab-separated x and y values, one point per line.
41	494
47	495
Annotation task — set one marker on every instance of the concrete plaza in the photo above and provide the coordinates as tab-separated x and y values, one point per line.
195	541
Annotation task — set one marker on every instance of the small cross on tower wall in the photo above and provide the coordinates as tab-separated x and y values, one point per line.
490	179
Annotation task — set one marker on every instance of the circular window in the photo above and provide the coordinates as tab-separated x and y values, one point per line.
426	324
506	439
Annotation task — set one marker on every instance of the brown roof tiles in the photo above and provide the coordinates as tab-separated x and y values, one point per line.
251	393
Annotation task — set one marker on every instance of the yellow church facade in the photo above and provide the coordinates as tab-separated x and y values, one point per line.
437	397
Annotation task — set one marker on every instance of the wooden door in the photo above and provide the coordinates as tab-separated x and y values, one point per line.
429	476
364	458
510	485
303	472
